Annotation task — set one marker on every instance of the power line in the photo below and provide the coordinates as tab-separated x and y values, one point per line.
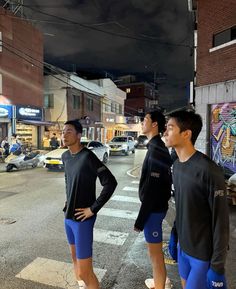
144	38
49	66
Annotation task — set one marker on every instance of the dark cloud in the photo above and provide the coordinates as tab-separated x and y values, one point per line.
144	37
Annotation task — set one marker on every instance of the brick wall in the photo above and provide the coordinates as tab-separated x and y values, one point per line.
21	61
215	16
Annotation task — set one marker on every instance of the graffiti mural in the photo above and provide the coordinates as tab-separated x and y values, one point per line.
223	135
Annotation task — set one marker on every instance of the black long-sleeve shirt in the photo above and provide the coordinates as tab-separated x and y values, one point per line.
81	172
155	181
202	219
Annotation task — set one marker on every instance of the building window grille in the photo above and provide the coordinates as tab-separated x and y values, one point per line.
76	101
49	100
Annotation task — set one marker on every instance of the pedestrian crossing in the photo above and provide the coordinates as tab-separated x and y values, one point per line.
60	274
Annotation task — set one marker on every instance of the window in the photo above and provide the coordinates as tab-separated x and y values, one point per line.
128	90
224	36
113	107
120	109
89	102
76	101
49	100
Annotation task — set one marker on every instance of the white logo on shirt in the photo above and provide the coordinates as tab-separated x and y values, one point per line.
219	193
155	175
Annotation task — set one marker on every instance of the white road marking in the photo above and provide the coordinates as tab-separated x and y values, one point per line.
118	213
110	237
53	273
132	189
135	182
120	198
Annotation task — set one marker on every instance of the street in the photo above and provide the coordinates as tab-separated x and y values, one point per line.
33	246
34	250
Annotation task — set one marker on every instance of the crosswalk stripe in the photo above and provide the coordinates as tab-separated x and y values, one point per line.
135	182
53	273
120	198
125	214
132	189
110	237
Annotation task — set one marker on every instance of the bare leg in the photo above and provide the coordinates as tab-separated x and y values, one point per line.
158	264
86	273
74	259
183	282
84	270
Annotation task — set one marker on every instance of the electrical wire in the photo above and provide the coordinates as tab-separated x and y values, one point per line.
49	66
142	38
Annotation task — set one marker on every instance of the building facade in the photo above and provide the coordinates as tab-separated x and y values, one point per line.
21	79
215	91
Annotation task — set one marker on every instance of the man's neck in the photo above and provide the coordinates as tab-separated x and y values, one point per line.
74	149
150	135
185	153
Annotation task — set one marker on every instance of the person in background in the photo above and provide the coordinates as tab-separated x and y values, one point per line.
15	146
202	220
82	168
54	143
5	146
154	194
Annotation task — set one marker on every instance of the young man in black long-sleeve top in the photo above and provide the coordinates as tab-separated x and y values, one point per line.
202	220
154	193
82	168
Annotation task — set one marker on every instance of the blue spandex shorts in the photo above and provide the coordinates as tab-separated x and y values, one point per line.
192	270
80	234
153	228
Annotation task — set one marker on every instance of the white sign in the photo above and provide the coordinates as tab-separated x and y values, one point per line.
26	111
110	119
3	112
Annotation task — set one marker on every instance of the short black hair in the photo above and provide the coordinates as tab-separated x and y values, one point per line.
76	124
188	120
157	116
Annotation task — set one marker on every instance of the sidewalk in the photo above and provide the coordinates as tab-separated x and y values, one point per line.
172	270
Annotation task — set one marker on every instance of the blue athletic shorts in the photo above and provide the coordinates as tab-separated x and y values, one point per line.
153	228
80	234
193	270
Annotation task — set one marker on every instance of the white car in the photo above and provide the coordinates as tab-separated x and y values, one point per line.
53	158
122	144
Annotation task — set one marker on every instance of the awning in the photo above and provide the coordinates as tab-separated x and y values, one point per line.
121	126
37	122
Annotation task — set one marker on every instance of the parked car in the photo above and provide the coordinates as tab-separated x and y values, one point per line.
141	141
53	158
122	144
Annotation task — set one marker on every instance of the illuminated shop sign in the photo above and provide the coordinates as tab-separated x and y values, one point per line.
109	119
30	113
5	111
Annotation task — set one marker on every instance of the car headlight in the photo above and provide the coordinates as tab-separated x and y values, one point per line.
146	141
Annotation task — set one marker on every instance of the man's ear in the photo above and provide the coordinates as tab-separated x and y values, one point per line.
154	124
188	134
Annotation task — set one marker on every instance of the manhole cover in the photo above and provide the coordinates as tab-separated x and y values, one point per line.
7	221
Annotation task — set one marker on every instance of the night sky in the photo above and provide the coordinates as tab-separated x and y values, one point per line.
149	38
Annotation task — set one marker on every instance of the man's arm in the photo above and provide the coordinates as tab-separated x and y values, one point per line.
220	219
108	182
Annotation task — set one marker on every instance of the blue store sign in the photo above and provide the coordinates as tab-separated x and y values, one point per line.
28	113
5	111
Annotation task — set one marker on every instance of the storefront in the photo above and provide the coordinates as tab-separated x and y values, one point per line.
29	126
5	120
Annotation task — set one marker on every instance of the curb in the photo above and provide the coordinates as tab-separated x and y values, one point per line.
134	172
